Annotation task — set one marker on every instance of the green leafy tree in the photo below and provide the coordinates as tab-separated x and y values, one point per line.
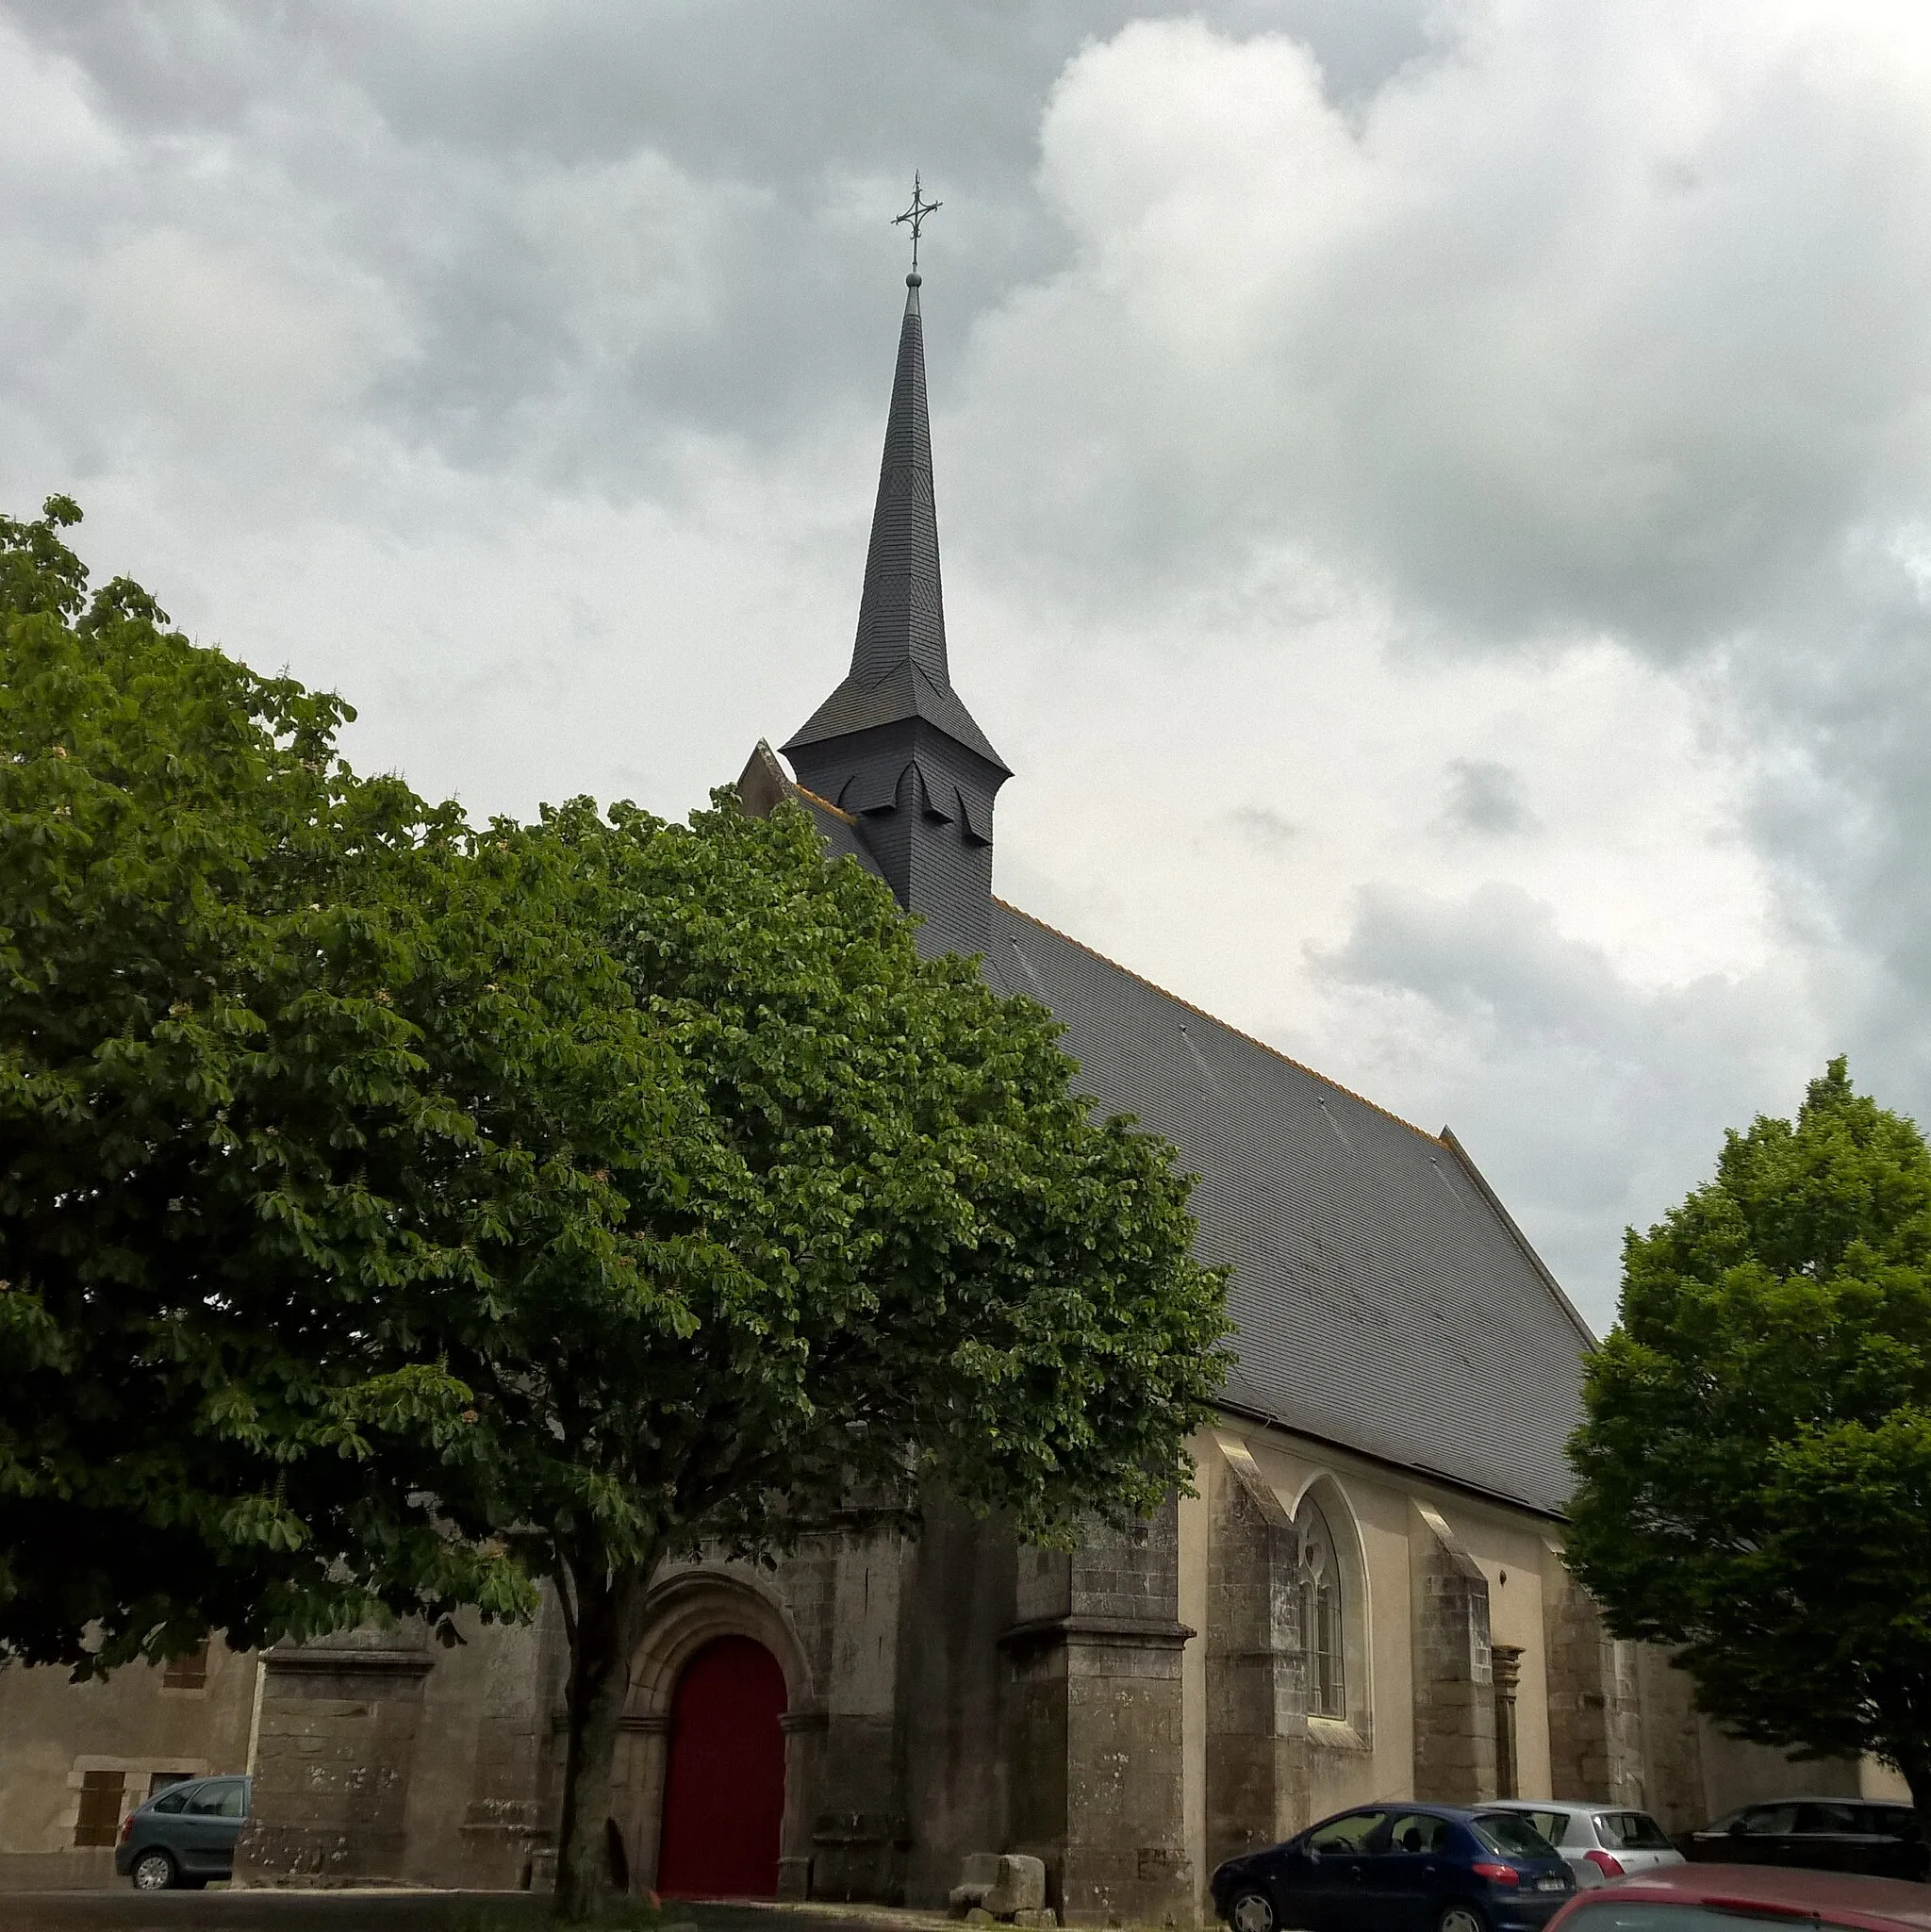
1755	1461
392	1213
254	1011
890	1247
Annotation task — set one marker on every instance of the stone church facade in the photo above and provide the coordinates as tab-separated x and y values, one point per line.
1364	1597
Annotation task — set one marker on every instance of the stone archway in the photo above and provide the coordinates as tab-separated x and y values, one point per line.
693	1610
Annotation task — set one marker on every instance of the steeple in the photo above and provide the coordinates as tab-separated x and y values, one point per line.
894	744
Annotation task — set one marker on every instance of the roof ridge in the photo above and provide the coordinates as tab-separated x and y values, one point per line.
1287	1059
804	791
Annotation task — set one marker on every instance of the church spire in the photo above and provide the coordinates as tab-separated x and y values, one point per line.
898	664
894	744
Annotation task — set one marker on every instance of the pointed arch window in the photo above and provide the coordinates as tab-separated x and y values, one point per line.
1321	1630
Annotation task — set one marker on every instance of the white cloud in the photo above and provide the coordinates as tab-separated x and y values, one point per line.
1601	317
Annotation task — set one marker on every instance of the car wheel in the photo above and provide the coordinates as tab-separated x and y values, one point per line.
155	1872
1251	1910
1460	1919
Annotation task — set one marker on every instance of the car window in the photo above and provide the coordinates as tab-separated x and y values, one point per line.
1415	1831
1819	1819
1512	1834
1769	1821
1899	1820
1348	1833
174	1800
1630	1831
1553	1826
219	1798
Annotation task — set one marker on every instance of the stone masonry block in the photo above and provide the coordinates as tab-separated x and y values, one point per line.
1020	1886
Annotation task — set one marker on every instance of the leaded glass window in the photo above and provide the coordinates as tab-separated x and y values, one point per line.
1321	1611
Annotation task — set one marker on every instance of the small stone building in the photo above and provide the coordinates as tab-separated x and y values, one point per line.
1365	1596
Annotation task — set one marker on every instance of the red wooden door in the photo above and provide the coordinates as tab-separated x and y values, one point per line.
724	1786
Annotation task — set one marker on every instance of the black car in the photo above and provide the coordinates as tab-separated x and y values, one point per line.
1399	1868
185	1835
1824	1834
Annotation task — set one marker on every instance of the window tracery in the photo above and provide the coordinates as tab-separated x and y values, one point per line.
1322	1630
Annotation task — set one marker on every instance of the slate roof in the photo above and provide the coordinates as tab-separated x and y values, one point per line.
1382	1298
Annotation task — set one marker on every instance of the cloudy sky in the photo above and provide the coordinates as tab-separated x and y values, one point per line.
1436	493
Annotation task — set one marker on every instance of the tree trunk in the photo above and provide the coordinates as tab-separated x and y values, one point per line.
604	1632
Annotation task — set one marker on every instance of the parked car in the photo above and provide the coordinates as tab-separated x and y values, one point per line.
1399	1868
1735	1898
1598	1842
1822	1834
185	1835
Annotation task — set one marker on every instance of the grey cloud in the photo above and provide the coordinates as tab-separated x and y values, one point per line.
1265	828
1590	1100
1485	797
604	229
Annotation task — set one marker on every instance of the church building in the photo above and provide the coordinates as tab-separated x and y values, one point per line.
1365	1598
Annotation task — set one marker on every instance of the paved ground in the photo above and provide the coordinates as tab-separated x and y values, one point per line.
124	1910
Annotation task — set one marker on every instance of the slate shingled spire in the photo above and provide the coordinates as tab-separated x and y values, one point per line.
894	744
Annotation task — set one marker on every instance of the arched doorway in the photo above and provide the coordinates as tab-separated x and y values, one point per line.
724	1783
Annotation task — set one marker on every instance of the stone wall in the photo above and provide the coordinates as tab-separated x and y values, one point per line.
962	1603
861	1831
508	1761
1596	1714
1094	1725
1257	1751
1454	1684
335	1744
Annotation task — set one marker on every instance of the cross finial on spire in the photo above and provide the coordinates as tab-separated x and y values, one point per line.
916	214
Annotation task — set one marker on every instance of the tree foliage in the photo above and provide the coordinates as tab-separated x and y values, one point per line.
1755	1457
393	1213
253	1011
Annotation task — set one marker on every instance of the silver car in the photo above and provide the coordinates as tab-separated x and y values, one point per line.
1598	1842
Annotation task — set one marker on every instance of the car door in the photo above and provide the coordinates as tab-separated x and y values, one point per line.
1831	1838
1765	1835
1334	1869
1402	1873
1898	1844
210	1822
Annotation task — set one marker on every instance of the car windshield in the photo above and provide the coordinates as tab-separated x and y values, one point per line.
1604	1912
1630	1831
1553	1825
1511	1834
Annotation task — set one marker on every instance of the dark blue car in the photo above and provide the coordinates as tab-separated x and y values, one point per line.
1399	1868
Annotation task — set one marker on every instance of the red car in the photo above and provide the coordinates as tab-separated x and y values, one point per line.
1743	1898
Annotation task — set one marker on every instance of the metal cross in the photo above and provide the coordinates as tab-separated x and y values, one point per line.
916	214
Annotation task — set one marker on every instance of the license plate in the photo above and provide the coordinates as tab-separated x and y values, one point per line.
1550	1885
